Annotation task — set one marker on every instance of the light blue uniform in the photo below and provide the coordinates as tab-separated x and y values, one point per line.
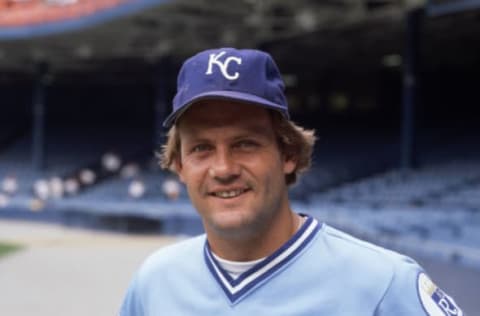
319	271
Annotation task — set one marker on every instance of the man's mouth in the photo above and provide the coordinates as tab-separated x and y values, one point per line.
228	194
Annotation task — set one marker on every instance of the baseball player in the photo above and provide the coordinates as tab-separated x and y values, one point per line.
232	144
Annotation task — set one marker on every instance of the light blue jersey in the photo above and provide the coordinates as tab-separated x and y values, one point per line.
319	271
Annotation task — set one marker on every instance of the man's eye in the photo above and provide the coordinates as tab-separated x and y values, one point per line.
246	144
201	148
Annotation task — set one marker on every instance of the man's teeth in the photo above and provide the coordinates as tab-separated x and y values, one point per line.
229	194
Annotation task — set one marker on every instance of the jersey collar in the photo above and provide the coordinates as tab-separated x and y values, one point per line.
236	289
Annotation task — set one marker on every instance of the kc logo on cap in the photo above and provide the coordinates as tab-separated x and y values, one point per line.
214	60
231	75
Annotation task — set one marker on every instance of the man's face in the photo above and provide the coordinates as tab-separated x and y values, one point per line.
232	167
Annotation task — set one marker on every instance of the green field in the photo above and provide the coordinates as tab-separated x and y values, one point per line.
6	248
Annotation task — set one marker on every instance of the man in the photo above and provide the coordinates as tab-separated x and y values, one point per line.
232	144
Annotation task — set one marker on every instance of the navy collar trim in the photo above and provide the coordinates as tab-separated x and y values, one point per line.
236	289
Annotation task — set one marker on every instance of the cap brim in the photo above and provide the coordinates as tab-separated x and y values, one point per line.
225	95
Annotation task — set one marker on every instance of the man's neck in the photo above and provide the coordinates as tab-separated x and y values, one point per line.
256	246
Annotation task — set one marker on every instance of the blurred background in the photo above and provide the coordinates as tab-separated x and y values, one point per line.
390	86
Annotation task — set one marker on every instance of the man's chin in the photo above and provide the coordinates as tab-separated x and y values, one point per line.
232	223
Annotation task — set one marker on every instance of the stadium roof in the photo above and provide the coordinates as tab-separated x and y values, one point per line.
127	35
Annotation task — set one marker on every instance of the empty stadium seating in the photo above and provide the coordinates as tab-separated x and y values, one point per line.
433	210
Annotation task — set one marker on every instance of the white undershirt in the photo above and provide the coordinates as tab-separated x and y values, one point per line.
235	268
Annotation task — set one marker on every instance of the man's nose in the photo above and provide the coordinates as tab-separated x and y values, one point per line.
224	168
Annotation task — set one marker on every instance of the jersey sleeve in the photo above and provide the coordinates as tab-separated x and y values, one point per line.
412	293
132	303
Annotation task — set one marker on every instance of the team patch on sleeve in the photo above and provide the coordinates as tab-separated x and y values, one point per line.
434	300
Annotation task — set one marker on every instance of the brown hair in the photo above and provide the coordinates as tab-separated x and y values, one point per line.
295	143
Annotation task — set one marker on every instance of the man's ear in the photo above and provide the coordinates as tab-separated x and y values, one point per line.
289	163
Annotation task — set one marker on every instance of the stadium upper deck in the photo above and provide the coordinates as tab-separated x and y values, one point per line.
30	12
72	40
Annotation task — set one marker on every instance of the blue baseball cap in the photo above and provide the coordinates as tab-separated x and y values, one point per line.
243	75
